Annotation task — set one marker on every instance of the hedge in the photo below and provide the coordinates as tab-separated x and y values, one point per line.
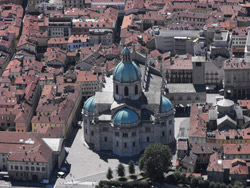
132	184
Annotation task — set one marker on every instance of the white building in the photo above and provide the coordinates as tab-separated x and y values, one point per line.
177	41
247	48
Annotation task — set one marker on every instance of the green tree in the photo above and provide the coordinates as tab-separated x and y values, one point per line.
177	175
200	184
109	174
211	185
121	170
206	184
217	185
131	167
189	178
194	182
141	164
183	178
156	160
223	185
238	184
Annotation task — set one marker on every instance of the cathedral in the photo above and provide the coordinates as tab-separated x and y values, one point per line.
126	119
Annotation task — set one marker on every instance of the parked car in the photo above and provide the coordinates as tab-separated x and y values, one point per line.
44	181
63	169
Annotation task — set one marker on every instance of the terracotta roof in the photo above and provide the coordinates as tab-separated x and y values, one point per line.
196	129
215	163
234	149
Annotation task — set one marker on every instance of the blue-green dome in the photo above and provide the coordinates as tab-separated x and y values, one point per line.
166	104
89	104
125	116
126	70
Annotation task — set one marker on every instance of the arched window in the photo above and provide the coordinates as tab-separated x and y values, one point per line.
126	91
136	89
116	90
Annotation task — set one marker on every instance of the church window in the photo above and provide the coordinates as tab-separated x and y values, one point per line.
126	91
133	133
116	90
163	133
133	144
136	90
125	145
105	129
116	133
117	143
170	132
125	135
92	133
147	139
147	129
105	139
86	131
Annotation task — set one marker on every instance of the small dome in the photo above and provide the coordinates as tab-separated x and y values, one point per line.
125	116
225	103
166	104
126	70
89	104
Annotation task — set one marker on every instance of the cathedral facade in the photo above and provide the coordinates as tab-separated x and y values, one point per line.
126	119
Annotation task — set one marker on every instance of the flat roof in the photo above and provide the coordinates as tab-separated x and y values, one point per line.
179	33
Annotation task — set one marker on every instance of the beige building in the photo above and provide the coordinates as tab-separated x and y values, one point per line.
236	78
100	36
58	107
31	156
89	82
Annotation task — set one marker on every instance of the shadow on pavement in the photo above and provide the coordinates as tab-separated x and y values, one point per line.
106	155
71	137
25	184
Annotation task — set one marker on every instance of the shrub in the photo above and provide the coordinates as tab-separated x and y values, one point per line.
211	185
194	182
131	184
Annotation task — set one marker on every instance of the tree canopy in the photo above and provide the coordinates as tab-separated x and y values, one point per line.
156	160
109	174
121	170
131	167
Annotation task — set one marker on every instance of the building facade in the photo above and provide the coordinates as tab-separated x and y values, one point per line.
126	120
